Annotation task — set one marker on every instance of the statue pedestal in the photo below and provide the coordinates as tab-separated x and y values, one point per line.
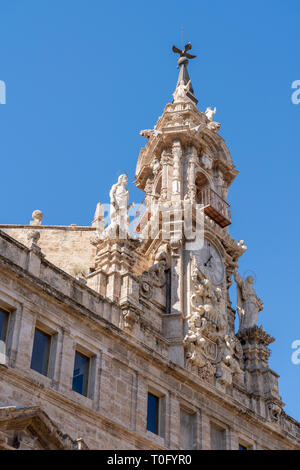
114	265
260	379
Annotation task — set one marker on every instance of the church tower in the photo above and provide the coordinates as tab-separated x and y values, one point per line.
186	171
113	337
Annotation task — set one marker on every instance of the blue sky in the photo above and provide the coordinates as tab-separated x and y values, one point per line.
84	77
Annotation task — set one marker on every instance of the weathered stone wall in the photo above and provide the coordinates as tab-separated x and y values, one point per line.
67	247
124	368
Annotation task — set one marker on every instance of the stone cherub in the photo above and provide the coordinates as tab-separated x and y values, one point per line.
248	303
229	351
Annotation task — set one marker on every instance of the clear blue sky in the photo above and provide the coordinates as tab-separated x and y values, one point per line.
84	77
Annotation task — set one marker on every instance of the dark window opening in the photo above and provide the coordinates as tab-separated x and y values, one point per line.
81	374
4	317
3	324
40	352
153	414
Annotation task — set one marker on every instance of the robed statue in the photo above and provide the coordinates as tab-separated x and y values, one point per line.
248	303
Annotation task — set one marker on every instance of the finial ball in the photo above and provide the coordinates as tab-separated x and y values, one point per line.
37	215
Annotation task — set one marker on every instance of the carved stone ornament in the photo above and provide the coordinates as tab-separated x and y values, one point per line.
149	133
213	126
207	372
207	343
156	166
274	411
146	133
129	318
232	353
156	275
175	245
255	335
37	217
206	161
33	237
202	338
146	289
148	186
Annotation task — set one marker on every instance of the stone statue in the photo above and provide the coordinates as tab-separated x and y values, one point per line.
248	303
119	207
156	166
180	93
209	113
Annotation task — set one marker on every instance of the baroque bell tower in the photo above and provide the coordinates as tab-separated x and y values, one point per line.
186	170
172	277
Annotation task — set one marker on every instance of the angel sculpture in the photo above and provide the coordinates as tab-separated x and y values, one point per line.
180	93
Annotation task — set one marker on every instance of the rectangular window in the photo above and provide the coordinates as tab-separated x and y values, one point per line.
187	430
41	352
4	317
153	413
217	438
81	374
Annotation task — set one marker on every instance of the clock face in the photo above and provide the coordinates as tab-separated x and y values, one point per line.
210	262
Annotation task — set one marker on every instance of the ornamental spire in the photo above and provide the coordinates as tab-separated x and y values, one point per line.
182	63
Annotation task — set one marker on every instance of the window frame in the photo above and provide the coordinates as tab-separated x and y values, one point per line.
162	397
51	335
219	427
245	443
157	413
194	414
90	357
13	308
8	312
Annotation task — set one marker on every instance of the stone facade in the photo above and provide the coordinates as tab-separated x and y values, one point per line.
67	247
149	311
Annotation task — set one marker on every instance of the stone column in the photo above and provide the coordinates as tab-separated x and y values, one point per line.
173	322
232	441
66	361
205	432
176	180
174	423
176	275
25	339
166	175
191	186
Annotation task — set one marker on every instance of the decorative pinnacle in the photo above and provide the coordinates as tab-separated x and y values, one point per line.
182	63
